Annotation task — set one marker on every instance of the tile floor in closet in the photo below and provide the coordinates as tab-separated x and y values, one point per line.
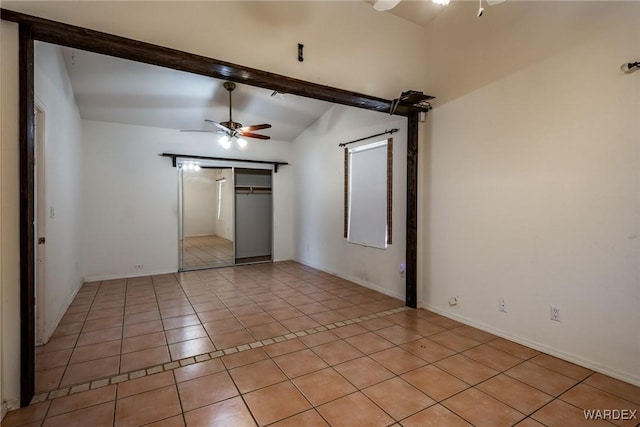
284	344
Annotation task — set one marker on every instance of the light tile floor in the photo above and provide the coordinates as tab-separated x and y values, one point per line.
283	344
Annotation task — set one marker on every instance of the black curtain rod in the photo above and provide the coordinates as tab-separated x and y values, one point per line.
189	156
392	131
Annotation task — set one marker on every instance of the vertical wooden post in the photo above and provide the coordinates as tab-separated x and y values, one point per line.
412	211
346	192
27	212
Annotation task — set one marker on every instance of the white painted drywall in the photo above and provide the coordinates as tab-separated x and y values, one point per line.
200	192
63	169
466	53
131	201
132	195
533	195
9	217
319	204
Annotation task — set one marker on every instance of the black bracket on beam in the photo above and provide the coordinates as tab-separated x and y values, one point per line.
413	99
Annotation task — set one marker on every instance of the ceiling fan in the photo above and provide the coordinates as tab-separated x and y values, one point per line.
382	5
233	130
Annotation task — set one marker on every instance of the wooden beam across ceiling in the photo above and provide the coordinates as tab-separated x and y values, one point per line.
122	47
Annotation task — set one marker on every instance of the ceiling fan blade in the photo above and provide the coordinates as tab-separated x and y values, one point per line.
382	5
255	127
218	125
254	135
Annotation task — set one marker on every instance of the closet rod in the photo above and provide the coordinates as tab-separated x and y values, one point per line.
392	131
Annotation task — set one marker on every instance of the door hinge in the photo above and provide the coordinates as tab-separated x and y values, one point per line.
41	240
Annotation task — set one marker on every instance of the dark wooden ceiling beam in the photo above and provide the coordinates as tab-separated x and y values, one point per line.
109	44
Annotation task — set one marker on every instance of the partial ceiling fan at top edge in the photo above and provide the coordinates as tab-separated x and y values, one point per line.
384	5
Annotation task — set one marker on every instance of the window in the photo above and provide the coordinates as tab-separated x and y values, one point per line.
220	186
368	187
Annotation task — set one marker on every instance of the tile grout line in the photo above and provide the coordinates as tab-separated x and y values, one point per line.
169	366
93	300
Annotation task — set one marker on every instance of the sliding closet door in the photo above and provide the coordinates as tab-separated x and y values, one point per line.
254	219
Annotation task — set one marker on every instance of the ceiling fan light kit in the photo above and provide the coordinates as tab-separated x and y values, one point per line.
225	142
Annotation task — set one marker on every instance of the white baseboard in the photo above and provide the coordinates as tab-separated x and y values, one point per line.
50	329
356	280
68	302
116	276
569	357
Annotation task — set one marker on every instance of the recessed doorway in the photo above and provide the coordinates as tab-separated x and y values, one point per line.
225	215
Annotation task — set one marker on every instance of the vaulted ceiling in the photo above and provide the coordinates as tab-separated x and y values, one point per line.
121	91
464	53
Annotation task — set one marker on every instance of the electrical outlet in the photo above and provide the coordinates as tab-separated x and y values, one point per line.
453	301
138	266
502	305
554	313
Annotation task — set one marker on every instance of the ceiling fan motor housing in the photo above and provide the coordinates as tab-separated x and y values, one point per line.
231	125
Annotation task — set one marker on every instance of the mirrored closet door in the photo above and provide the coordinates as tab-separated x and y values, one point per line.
206	237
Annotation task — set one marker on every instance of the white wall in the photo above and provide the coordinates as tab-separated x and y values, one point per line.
9	219
466	53
200	202
319	205
63	175
132	195
532	194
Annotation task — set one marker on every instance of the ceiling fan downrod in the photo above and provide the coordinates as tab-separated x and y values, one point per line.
230	86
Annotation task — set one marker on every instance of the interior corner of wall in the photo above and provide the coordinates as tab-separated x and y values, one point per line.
9	405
